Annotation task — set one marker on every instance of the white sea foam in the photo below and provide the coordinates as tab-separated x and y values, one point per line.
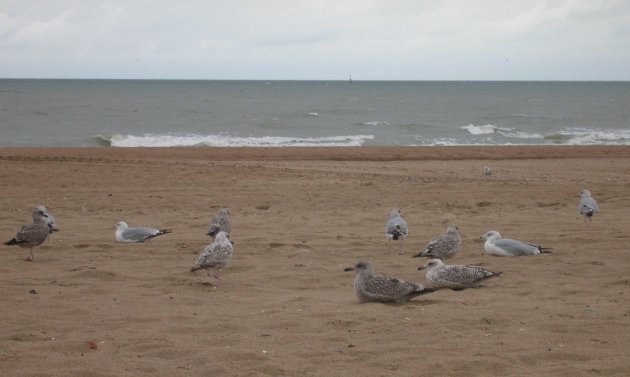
487	129
583	136
313	114
375	123
480	130
192	140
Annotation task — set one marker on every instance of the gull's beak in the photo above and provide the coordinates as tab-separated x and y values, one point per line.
420	268
348	269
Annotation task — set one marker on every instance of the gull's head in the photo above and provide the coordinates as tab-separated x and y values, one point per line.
361	267
433	263
394	213
224	212
452	229
41	208
121	225
38	214
585	194
222	236
491	235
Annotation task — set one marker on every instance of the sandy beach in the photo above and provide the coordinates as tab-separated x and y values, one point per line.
89	306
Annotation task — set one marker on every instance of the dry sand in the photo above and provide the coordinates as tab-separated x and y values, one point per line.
285	307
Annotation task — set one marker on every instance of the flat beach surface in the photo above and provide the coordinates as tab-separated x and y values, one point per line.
285	307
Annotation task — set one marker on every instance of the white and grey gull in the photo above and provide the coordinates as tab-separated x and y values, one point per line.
505	247
126	234
396	229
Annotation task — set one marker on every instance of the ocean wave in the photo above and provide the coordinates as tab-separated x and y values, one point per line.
193	140
375	123
583	136
487	129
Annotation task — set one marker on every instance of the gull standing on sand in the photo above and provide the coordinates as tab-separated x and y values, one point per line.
505	247
396	229
220	222
588	206
215	256
444	246
32	235
126	234
372	287
456	276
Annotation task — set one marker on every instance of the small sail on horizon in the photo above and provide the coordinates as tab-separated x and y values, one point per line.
350	80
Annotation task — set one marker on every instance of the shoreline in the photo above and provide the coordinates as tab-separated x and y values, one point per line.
322	153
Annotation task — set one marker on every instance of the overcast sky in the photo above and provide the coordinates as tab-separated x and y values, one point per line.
316	40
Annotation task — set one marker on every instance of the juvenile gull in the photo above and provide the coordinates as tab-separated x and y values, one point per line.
444	246
505	247
220	222
126	234
52	226
216	256
588	206
396	229
32	235
372	287
456	277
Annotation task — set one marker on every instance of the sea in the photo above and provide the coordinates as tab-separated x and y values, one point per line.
213	113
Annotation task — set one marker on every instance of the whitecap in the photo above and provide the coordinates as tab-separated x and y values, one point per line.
375	123
193	140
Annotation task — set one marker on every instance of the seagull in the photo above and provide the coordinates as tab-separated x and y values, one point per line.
444	246
487	171
456	276
396	229
126	234
216	256
32	235
220	222
372	287
588	206
505	247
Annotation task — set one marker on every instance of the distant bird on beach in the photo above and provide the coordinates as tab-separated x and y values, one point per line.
456	276
505	247
372	287
588	206
487	171
444	246
127	234
215	256
220	222
32	235
396	229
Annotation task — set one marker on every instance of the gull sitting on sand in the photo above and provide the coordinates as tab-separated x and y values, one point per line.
455	277
372	287
215	256
220	222
127	234
32	235
396	229
505	247
444	246
588	206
